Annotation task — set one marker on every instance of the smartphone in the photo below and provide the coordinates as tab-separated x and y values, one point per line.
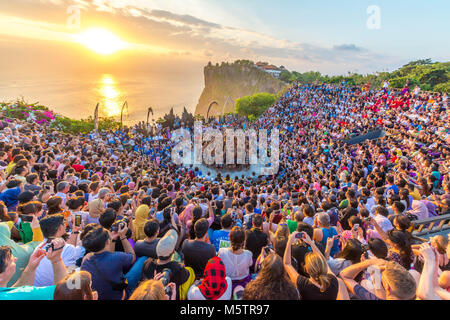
78	220
299	235
356	226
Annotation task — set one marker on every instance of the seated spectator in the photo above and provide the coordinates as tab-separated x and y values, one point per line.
271	283
236	259
23	288
106	266
75	286
215	285
147	247
221	238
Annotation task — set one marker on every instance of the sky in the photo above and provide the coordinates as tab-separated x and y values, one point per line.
49	53
329	36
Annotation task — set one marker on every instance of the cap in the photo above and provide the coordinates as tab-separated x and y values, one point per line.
166	244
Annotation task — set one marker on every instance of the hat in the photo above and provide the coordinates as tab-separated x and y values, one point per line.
167	244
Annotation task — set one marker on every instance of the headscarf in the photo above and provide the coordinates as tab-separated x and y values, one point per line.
21	252
186	215
214	283
140	221
419	209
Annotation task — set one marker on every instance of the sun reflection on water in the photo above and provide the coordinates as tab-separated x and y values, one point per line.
110	96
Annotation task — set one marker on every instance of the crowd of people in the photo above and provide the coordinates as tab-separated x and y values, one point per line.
109	216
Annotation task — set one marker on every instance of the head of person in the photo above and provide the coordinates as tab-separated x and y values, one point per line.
201	229
400	241
96	239
352	251
214	283
107	218
54	205
257	221
398	283
166	245
323	219
63	187
226	221
75	204
52	226
151	228
304	227
378	248
317	268
237	238
75	286
7	264
150	290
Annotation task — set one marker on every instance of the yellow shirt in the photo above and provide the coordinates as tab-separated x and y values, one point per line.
415	194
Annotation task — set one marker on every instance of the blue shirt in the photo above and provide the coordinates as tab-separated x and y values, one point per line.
112	266
221	239
27	293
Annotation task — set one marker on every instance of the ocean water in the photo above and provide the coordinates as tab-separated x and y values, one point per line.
76	97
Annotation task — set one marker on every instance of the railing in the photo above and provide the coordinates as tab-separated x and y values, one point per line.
430	226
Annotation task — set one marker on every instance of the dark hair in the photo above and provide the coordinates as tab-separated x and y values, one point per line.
201	228
272	282
50	225
401	240
107	218
226	221
95	240
115	205
54	205
237	238
31	207
257	220
352	251
378	247
5	255
151	228
75	203
304	227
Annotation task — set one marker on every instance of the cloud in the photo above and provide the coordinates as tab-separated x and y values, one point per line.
146	26
348	47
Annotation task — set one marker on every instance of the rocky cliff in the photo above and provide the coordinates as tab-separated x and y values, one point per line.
229	81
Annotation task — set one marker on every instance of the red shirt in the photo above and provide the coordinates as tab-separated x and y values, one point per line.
78	167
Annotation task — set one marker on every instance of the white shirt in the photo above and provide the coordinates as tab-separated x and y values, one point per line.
194	292
44	272
236	266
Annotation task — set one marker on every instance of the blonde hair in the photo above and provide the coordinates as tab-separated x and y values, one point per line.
316	266
282	232
149	290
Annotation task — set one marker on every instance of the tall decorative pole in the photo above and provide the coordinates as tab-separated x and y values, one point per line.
96	119
121	115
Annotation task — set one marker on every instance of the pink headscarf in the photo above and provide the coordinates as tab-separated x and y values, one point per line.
186	215
131	185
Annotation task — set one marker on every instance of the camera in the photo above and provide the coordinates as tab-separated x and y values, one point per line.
167	274
299	235
119	224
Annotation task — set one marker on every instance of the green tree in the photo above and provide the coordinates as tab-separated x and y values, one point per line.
255	104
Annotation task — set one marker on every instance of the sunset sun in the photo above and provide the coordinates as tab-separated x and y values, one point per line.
101	41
